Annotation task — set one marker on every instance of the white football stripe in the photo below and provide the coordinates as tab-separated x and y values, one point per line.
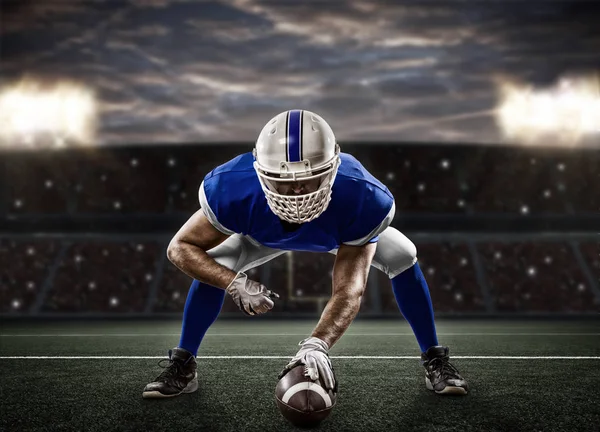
306	386
235	357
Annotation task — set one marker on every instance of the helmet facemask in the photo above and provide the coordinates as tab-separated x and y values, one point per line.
297	193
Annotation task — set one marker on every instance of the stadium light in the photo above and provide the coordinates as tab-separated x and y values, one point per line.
563	114
34	114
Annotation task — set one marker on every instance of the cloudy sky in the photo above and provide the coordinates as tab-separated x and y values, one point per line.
172	71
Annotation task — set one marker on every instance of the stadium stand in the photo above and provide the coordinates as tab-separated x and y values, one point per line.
103	277
518	183
536	277
312	274
591	253
172	290
188	169
109	277
36	184
122	182
420	181
98	274
423	179
21	279
449	270
585	190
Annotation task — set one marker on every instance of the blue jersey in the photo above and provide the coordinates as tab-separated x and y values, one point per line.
361	207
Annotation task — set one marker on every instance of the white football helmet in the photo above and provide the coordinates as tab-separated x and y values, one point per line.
295	149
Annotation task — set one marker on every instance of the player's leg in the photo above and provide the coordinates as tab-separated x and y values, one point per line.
204	302
396	256
202	307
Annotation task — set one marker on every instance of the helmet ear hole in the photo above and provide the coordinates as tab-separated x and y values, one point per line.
273	131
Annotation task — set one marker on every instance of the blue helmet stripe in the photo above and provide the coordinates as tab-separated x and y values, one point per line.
294	136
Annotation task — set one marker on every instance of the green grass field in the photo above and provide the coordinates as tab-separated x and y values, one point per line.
378	393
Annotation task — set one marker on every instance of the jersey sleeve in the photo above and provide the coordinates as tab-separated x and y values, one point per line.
217	208
375	215
228	195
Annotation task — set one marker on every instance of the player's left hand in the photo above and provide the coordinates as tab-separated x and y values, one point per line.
251	297
314	354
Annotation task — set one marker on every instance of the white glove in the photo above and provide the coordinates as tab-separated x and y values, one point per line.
251	297
314	354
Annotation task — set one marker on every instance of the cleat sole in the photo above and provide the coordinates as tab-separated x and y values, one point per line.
190	388
448	390
453	391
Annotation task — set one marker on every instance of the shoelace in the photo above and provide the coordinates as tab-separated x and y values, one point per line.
447	370
172	368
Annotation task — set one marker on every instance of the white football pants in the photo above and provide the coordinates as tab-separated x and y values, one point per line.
395	253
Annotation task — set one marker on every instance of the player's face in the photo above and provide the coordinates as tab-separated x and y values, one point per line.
299	187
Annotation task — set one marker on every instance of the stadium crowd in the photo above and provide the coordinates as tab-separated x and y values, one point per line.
423	179
103	276
99	276
537	277
22	279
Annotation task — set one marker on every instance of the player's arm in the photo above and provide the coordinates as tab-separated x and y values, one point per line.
187	251
350	273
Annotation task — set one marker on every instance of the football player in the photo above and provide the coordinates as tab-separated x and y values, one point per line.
296	191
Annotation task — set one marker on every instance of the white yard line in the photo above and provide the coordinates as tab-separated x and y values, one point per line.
287	357
283	334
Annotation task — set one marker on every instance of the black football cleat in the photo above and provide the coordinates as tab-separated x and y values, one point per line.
179	376
440	375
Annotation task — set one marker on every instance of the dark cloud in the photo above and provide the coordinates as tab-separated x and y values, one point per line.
217	71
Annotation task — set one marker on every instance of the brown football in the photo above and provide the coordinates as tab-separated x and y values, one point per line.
304	402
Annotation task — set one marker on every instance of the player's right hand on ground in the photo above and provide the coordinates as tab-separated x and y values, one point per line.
251	297
314	354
